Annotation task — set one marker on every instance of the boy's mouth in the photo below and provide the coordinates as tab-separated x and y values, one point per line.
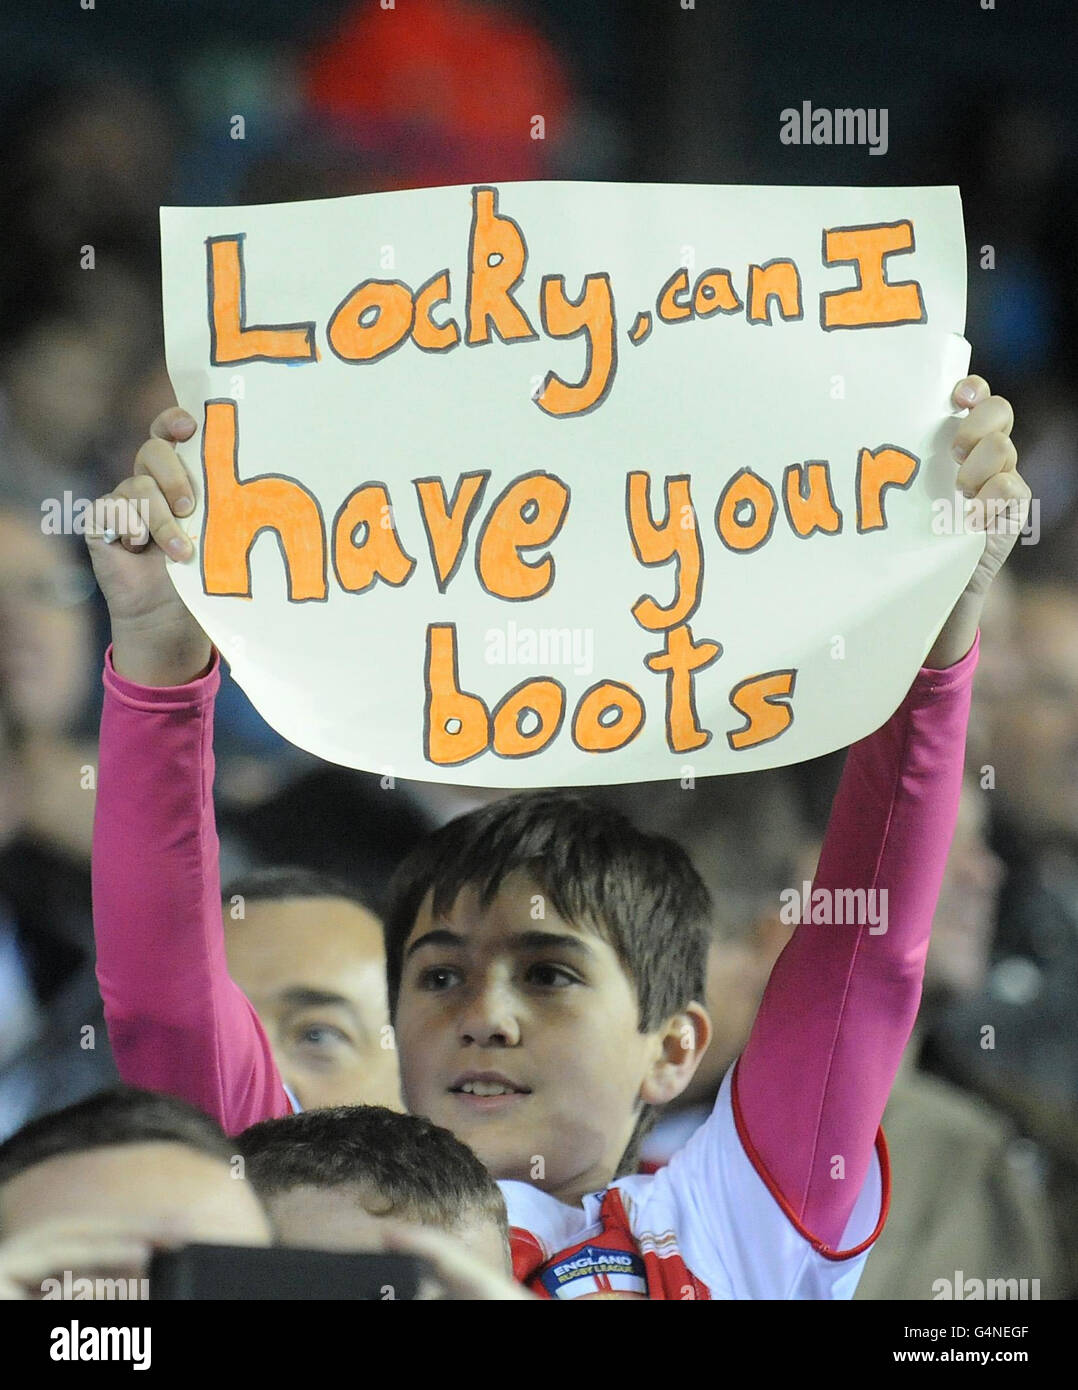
487	1090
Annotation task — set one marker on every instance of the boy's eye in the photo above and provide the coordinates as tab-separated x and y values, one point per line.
438	977
551	976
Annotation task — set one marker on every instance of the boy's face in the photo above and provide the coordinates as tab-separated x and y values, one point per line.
539	1005
314	969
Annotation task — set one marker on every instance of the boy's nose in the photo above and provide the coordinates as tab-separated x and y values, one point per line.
489	1019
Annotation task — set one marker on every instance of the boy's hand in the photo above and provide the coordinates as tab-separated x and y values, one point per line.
155	639
987	474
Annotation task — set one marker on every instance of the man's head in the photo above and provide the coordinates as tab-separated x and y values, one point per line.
143	1161
308	953
329	1178
546	962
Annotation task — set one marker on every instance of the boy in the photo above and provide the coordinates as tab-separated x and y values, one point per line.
542	1009
333	1179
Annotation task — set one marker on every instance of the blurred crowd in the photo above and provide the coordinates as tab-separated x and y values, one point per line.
983	1123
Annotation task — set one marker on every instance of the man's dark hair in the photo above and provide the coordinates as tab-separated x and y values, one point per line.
638	892
292	881
117	1116
418	1170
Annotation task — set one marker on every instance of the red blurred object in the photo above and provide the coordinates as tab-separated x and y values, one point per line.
451	86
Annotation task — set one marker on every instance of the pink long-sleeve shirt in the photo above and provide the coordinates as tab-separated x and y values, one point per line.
814	1077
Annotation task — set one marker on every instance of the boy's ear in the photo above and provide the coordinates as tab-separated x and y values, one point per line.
683	1042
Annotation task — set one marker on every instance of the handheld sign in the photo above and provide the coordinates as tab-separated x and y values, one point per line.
560	483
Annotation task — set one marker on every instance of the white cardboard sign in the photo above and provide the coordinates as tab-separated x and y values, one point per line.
560	483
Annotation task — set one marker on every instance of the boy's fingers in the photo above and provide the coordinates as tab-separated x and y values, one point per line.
118	516
159	459
993	454
138	512
173	423
157	513
991	416
1002	505
969	391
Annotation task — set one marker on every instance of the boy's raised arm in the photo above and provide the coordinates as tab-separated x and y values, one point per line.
176	1021
813	1081
811	1086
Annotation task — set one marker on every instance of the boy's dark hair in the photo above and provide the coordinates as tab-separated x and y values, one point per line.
639	892
292	881
121	1115
420	1169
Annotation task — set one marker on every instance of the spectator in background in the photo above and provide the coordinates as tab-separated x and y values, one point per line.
1028	1062
308	953
996	674
58	383
332	820
96	1188
53	1044
1034	733
309	160
83	162
969	1193
336	1179
1020	208
1029	753
47	679
84	167
1050	549
454	93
